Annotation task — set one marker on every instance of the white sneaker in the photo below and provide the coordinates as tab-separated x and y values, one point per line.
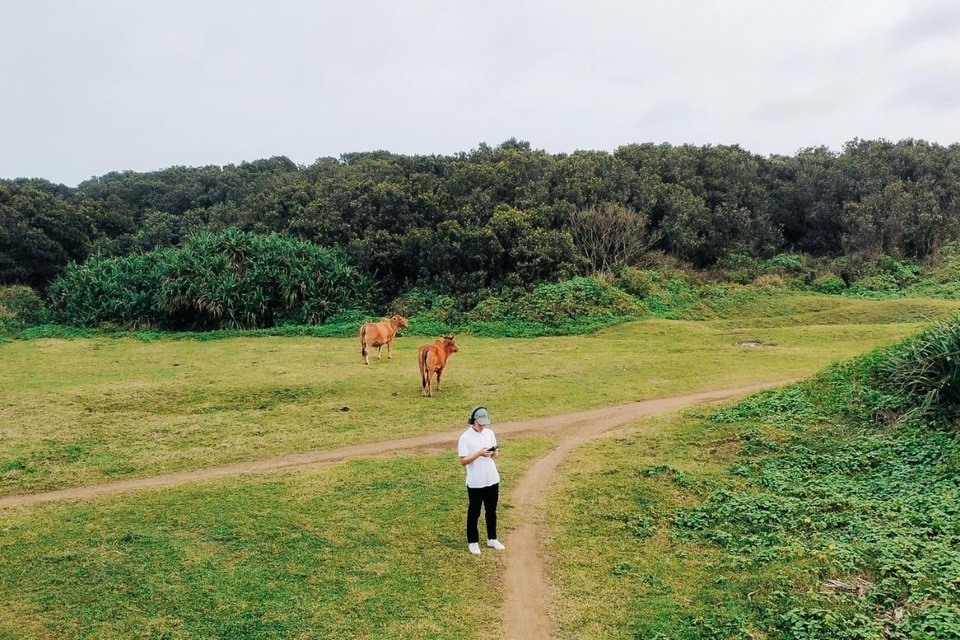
496	544
474	548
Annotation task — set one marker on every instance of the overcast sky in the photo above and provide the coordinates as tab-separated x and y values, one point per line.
94	86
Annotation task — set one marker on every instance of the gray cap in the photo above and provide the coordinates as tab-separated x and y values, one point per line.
480	416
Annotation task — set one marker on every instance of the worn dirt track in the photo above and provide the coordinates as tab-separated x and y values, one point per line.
525	615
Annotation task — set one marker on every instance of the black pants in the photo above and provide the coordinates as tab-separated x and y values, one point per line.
486	496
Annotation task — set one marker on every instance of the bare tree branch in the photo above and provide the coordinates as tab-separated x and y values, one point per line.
611	236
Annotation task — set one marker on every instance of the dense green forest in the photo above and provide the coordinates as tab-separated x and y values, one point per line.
507	217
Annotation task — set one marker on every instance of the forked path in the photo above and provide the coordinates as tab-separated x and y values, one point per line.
525	615
525	610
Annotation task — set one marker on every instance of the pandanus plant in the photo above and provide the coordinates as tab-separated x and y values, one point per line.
227	280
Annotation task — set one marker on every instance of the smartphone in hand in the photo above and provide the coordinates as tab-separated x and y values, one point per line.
494	448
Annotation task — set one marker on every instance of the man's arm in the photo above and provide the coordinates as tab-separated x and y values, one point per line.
465	460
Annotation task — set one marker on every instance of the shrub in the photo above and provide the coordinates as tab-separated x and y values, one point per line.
829	284
904	273
576	299
20	307
412	302
784	264
927	369
739	268
121	291
228	280
639	282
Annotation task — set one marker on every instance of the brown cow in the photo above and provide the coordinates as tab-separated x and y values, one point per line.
433	358
377	334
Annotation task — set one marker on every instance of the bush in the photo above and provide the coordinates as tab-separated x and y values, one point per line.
769	280
927	369
639	282
21	307
666	293
229	280
576	299
829	284
904	273
784	264
739	268
412	302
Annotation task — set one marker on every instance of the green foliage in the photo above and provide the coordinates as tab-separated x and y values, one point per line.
677	295
829	284
664	293
868	516
576	299
505	216
228	280
740	268
926	369
20	307
54	331
551	309
571	307
884	277
784	263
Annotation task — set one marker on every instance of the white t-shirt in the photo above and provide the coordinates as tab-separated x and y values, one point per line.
482	472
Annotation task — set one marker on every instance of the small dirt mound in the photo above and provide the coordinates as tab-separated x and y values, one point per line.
754	343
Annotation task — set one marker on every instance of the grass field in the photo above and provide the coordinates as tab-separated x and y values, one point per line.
366	549
369	548
799	514
625	573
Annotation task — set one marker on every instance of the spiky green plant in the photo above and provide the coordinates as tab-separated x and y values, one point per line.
926	369
227	280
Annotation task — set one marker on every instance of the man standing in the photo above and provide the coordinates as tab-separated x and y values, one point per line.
477	449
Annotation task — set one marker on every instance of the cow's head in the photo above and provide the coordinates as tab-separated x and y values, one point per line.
449	345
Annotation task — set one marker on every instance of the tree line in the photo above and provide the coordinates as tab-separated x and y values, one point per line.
506	216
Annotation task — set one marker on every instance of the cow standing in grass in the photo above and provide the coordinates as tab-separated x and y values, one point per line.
377	334
433	358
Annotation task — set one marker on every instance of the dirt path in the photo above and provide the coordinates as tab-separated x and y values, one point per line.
524	613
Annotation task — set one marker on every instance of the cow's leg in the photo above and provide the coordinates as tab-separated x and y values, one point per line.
366	354
390	350
439	371
379	351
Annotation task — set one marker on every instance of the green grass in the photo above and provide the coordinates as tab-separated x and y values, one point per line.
77	412
373	548
732	524
365	549
617	570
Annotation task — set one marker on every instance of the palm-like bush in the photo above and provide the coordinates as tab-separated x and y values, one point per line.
926	369
228	280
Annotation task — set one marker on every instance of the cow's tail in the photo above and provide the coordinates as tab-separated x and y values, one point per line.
363	341
424	380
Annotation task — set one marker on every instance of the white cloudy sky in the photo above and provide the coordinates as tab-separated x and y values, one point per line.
91	86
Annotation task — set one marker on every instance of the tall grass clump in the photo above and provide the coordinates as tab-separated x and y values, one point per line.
926	371
226	280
